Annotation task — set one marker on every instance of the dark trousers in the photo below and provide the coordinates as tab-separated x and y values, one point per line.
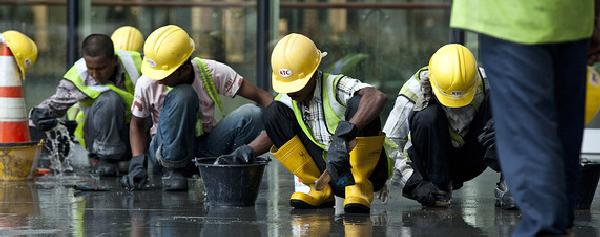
538	96
281	126
106	130
432	155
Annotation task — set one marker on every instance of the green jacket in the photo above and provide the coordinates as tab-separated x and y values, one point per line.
526	21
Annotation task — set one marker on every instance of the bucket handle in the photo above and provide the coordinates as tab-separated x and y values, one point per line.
259	159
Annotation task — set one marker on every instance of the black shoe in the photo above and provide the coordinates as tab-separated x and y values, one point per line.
174	180
504	197
105	168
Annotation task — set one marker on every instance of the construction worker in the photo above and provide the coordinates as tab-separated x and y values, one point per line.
535	55
181	94
102	83
128	38
325	126
441	124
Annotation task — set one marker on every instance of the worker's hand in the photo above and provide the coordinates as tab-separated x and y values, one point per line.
488	140
338	153
137	177
487	137
242	155
42	119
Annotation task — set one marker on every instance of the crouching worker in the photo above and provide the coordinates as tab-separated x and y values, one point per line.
181	95
102	83
442	119
322	122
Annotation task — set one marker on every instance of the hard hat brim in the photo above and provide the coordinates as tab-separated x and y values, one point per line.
454	102
155	74
285	87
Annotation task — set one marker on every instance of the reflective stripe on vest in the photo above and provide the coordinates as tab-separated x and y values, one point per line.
131	62
208	84
333	110
412	88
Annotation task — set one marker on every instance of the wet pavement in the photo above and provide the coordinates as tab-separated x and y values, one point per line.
54	207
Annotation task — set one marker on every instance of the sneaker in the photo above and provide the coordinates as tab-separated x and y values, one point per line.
174	180
503	196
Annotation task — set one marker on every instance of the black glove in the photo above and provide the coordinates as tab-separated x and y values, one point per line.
422	191
488	140
242	155
42	119
338	153
137	177
71	126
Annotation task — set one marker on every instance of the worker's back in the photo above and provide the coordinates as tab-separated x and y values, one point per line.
527	22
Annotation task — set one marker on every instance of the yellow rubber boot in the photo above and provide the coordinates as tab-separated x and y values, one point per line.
363	159
294	157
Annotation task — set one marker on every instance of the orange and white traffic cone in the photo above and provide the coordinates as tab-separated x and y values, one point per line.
13	115
18	154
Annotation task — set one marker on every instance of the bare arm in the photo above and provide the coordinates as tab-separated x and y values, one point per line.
371	105
261	144
251	92
137	135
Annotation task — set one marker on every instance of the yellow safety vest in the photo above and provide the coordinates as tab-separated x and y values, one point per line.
333	110
201	72
129	61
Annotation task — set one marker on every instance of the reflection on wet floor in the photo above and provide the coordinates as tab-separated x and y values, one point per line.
69	206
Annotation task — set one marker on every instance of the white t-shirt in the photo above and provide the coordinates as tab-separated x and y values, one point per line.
149	94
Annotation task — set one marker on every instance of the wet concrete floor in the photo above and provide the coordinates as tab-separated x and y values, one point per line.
51	207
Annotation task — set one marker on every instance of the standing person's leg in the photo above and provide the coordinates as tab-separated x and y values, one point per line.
527	138
570	84
297	154
106	132
238	128
173	145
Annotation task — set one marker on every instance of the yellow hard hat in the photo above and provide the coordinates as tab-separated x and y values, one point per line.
127	38
453	75
592	97
23	48
166	49
294	60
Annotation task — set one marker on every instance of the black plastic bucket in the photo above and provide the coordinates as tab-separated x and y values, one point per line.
586	186
231	185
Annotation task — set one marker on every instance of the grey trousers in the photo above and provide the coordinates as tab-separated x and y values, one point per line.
106	130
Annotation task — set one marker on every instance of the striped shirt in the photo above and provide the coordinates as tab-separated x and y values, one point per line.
312	111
